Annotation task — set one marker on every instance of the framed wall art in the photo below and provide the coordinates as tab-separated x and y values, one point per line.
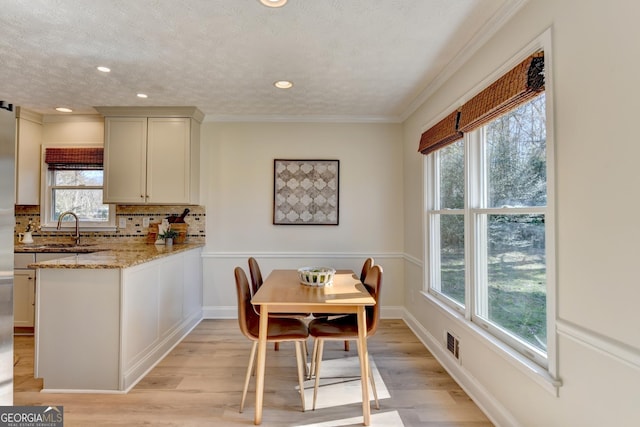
305	192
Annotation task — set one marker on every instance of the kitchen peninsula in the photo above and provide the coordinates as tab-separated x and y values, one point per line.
104	319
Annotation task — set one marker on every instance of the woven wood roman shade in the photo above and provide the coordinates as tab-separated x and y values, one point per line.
85	158
518	86
521	84
441	134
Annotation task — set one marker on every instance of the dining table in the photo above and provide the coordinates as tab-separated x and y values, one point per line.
282	292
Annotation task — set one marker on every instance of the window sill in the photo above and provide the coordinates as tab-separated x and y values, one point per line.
524	365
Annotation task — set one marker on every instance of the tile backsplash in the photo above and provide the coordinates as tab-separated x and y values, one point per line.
133	215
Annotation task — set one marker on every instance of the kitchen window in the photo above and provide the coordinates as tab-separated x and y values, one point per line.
73	181
488	220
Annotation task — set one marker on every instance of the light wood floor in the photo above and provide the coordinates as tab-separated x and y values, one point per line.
200	384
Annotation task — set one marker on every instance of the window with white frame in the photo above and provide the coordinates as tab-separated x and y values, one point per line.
73	178
487	215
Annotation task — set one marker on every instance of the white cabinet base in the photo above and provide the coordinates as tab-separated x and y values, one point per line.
102	330
77	334
24	282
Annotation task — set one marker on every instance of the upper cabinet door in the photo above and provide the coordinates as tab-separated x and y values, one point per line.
168	160
152	155
29	136
125	160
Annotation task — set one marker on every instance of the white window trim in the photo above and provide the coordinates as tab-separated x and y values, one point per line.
537	373
45	199
549	377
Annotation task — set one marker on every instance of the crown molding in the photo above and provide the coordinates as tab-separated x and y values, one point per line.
192	112
301	119
29	115
482	36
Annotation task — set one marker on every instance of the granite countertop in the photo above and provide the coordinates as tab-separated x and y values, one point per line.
66	247
104	255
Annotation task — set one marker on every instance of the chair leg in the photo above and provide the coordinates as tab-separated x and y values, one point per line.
305	355
301	370
320	347
346	345
276	346
248	376
312	368
373	386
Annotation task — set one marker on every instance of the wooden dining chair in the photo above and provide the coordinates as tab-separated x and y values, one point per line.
346	328
256	275
366	266
256	282
279	330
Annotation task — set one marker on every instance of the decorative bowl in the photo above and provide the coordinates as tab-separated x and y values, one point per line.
316	276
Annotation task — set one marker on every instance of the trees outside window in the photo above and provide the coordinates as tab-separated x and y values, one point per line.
486	216
79	191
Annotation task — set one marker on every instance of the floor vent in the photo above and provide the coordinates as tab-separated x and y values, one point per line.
453	345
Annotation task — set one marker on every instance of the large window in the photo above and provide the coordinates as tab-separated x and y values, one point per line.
510	224
487	224
74	182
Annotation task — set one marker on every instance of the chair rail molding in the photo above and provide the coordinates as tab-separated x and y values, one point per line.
610	347
330	255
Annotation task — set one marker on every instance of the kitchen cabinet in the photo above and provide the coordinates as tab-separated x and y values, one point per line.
24	286
103	329
151	159
29	140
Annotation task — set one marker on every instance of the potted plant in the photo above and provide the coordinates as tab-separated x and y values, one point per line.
168	236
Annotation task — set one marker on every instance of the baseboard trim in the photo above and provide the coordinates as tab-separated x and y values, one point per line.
159	351
498	414
220	312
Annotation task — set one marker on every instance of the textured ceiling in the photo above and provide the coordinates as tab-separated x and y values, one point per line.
349	59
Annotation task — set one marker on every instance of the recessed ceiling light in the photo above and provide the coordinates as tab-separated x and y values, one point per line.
64	110
283	84
104	69
273	3
142	95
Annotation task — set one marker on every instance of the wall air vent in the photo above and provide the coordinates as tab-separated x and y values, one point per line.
453	345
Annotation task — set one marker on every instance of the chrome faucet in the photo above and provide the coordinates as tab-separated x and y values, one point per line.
62	215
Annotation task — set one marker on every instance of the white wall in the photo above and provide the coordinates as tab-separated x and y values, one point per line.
73	129
237	190
596	59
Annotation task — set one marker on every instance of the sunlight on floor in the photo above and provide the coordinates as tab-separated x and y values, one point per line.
378	419
340	385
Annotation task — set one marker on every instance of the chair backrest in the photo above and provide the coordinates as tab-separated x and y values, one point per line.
247	318
368	263
256	275
373	283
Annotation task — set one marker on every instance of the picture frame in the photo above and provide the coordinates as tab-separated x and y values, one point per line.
306	192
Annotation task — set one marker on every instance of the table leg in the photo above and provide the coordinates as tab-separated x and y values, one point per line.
364	364
260	367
